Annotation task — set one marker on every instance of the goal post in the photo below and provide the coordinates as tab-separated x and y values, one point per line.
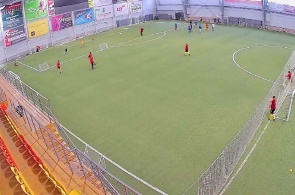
103	47
43	67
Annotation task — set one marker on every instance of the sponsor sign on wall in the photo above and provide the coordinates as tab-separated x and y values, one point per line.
84	16
51	9
62	21
14	35
121	9
135	7
12	15
102	2
35	9
104	12
38	28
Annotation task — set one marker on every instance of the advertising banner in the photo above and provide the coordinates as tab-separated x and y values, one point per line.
12	15
14	35
84	16
51	9
121	9
98	3
244	3
38	28
104	12
135	7
35	9
61	22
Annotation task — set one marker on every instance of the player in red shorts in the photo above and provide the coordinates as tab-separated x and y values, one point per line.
38	48
186	52
273	106
91	60
289	76
141	31
58	66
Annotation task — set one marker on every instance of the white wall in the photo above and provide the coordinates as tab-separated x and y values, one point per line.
279	20
243	13
199	11
149	7
204	2
170	2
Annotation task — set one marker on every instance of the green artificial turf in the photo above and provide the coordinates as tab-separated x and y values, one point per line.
161	115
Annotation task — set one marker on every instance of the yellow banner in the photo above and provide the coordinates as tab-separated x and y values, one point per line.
38	28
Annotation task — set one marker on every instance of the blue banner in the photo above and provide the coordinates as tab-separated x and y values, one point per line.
12	15
84	16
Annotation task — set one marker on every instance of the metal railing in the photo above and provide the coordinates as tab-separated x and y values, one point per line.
82	159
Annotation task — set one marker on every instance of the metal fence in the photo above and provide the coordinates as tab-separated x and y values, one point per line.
215	177
82	159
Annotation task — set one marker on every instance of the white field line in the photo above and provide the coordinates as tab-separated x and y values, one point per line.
27	66
262	133
64	62
247	71
123	44
245	160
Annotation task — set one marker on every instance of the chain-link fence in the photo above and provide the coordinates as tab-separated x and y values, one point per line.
215	177
82	159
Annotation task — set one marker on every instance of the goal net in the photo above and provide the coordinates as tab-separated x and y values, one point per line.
44	66
103	47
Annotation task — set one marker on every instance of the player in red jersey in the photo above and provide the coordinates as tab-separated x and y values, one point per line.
141	31
272	106
289	76
91	60
38	48
58	66
186	52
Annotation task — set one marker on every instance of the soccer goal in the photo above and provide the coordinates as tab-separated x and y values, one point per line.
43	67
103	47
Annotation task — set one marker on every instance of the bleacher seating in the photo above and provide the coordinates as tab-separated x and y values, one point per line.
18	176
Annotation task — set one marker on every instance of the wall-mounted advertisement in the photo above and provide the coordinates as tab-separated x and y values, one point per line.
38	28
12	15
98	3
35	9
119	1
14	36
244	3
121	9
104	12
51	9
135	7
282	6
84	16
62	21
